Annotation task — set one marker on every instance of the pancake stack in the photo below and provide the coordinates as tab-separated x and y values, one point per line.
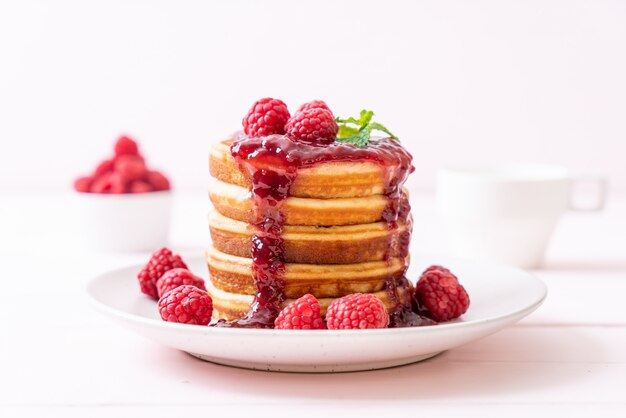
344	228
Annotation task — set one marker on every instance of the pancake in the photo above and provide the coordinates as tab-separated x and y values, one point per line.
234	202
323	181
345	244
234	274
327	220
233	306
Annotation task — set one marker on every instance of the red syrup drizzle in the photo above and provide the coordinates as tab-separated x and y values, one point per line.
272	162
398	213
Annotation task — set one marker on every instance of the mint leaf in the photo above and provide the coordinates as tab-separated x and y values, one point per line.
364	136
349	120
360	139
347	131
358	131
379	127
364	118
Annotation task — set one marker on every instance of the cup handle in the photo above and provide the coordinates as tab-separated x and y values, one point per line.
595	190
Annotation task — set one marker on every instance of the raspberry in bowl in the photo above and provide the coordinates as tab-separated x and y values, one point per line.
124	205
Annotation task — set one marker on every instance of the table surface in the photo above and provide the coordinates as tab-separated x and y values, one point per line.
58	357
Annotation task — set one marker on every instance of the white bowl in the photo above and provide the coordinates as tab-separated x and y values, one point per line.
124	222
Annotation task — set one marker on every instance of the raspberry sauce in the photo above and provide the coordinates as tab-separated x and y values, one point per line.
272	162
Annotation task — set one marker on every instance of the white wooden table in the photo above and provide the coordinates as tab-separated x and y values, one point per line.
58	357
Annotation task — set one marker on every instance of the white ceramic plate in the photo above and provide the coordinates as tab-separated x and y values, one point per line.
499	295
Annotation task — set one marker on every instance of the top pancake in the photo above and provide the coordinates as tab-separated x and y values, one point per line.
328	180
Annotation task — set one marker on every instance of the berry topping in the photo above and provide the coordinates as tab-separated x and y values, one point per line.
186	305
439	295
130	167
357	311
315	125
158	181
304	313
161	261
266	117
314	104
126	146
173	278
83	184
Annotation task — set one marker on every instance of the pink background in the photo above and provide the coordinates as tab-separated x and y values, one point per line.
490	81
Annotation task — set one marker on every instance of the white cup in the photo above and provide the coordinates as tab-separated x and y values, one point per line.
506	214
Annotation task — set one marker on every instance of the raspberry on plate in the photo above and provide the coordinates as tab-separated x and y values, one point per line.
314	104
315	125
357	311
439	295
161	261
186	305
266	117
304	313
173	278
126	146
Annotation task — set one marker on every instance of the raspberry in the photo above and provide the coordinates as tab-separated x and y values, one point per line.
439	295
130	167
109	183
304	313
118	184
357	311
101	184
314	104
125	146
315	125
140	186
161	261
266	117
83	184
173	278
158	181
186	305
104	167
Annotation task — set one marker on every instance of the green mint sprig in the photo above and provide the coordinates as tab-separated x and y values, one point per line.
358	131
